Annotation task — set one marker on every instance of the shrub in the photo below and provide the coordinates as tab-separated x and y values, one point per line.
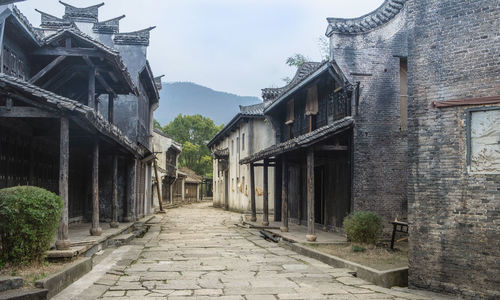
363	227
29	217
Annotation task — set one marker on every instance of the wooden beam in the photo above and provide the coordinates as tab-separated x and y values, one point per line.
311	237
114	222
26	112
331	148
92	52
91	91
252	193
63	242
99	77
95	230
265	197
47	68
284	196
158	189
111	108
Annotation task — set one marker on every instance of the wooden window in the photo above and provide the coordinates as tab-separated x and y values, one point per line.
312	106
13	65
242	142
238	144
290	116
403	100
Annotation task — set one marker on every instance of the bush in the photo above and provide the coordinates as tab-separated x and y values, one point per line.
29	217
363	227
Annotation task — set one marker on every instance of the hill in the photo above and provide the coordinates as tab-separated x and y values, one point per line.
189	98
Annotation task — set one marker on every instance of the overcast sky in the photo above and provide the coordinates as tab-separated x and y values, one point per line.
236	46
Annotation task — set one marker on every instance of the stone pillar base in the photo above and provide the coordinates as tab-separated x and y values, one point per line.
310	237
265	223
253	219
114	224
284	229
96	231
63	244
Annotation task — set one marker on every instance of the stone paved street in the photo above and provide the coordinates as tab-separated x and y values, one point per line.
197	252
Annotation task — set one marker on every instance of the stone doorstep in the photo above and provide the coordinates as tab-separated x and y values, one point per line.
387	278
122	239
81	248
10	283
24	294
60	280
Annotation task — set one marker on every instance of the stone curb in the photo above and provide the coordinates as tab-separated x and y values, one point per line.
59	281
387	279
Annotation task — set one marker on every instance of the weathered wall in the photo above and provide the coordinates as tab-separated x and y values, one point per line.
380	144
454	214
239	175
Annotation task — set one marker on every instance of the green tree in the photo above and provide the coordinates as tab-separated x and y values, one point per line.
194	132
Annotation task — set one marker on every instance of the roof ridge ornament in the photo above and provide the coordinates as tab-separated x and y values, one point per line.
88	14
139	37
108	26
50	21
380	16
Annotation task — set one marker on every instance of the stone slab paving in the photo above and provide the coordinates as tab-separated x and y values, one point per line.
196	252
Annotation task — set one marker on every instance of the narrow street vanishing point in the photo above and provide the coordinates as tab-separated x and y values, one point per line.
197	251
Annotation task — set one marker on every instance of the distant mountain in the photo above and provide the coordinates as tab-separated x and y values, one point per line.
189	98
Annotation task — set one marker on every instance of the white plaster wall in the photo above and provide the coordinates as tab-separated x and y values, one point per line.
239	175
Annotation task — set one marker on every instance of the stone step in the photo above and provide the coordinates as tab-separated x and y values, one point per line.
24	294
10	283
122	239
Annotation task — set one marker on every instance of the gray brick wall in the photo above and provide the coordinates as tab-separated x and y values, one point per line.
454	215
380	146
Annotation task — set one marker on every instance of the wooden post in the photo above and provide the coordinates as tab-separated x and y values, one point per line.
265	220
311	237
252	193
158	189
95	230
131	191
111	108
114	222
91	101
284	196
63	242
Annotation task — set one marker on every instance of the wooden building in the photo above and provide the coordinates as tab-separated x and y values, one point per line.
313	124
75	115
167	153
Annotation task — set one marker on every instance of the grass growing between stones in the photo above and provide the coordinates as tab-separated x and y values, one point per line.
379	257
33	272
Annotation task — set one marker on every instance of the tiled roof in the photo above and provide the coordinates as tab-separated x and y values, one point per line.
140	37
386	12
109	26
22	18
192	177
302	141
303	71
69	106
250	111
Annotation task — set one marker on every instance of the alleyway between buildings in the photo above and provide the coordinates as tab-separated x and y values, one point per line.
196	251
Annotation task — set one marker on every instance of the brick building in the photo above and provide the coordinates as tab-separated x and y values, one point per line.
429	93
454	146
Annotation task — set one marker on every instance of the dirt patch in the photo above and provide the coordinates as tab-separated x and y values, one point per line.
35	272
378	257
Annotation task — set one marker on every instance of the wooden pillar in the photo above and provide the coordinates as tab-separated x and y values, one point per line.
63	242
284	196
131	191
265	220
111	108
114	222
95	230
252	193
311	237
91	101
158	187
